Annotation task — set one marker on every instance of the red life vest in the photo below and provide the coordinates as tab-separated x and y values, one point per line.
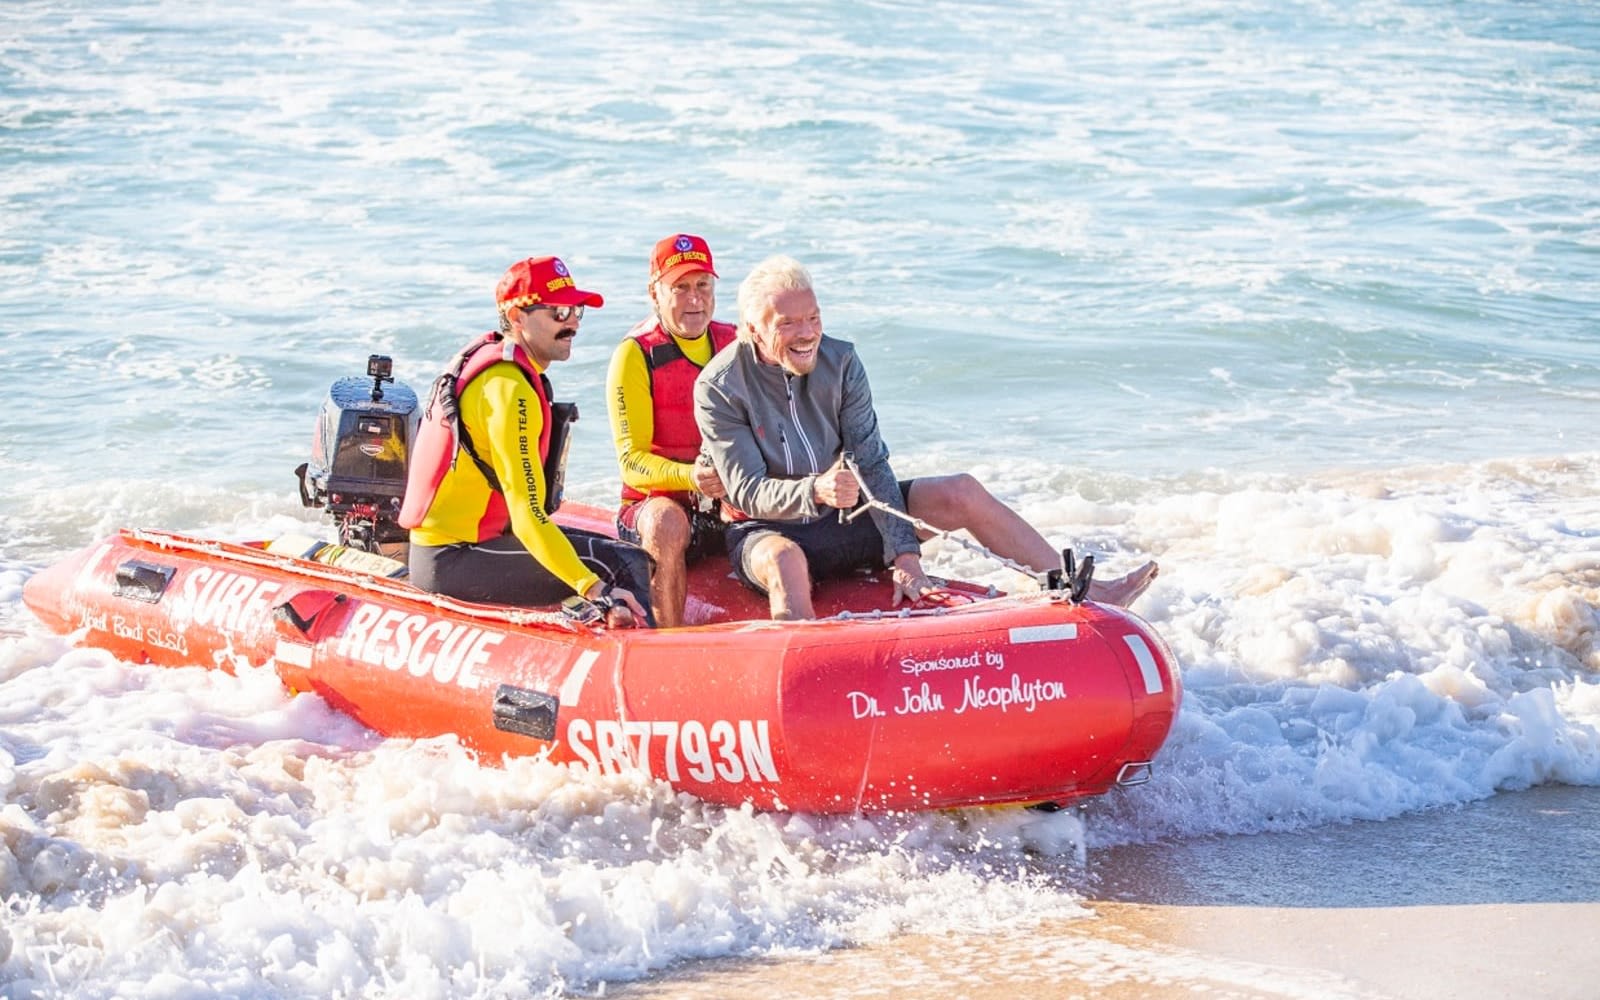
676	435
441	436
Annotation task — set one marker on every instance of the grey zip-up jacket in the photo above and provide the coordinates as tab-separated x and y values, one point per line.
769	434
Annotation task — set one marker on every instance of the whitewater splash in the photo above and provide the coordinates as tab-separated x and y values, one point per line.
1280	239
1354	646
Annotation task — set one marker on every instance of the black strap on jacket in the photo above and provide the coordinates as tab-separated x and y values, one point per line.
446	393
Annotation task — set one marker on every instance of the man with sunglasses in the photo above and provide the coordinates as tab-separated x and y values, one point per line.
667	495
486	464
779	411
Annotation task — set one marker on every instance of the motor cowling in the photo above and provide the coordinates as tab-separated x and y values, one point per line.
358	457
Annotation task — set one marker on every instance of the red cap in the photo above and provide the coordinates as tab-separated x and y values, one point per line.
541	281
679	255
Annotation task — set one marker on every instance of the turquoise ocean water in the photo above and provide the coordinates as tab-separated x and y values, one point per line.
1301	299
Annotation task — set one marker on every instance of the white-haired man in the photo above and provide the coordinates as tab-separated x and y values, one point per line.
777	412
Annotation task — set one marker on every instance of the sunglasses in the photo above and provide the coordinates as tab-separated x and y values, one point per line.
559	313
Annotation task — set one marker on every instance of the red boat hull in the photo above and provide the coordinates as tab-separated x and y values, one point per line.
1024	698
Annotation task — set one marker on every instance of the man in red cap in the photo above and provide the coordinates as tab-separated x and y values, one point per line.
650	396
487	462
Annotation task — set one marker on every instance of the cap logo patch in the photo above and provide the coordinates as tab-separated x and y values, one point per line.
683	243
559	268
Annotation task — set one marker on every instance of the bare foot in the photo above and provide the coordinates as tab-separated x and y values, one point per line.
1123	590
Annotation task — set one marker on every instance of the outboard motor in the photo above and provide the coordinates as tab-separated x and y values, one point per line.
358	457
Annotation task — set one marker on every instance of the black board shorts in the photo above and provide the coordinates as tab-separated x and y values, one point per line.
502	571
833	549
705	532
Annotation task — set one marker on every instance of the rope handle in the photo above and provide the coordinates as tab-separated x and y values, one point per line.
1072	577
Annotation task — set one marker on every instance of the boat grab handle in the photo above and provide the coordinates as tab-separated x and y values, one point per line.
530	713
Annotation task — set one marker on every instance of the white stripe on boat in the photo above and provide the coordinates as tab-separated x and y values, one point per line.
1147	663
1043	633
573	686
294	654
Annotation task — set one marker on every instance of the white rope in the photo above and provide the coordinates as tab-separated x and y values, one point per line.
351	578
873	503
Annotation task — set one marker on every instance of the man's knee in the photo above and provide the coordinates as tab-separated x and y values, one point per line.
950	498
663	527
776	559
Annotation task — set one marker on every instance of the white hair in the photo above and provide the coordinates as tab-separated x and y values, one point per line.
776	274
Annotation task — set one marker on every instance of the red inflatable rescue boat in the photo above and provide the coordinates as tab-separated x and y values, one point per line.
1025	698
974	698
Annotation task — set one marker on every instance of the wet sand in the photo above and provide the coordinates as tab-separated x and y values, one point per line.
1495	899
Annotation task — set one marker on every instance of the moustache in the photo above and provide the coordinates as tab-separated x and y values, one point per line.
566	333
